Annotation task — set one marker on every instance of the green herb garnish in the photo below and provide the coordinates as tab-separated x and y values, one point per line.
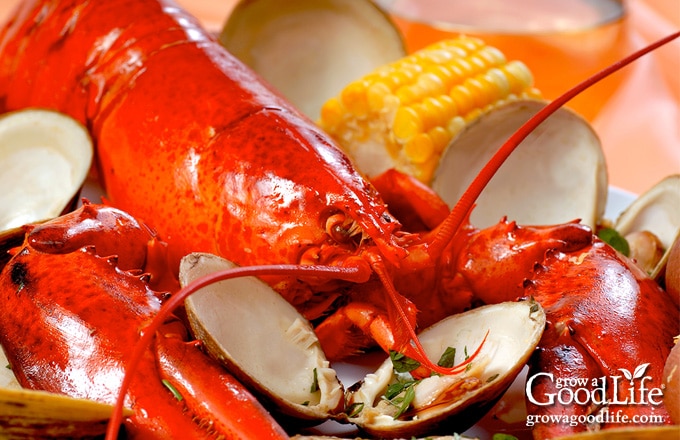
492	378
354	409
172	389
401	395
501	436
403	363
315	383
615	240
447	359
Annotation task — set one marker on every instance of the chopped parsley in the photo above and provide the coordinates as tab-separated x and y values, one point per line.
615	240
172	389
447	359
315	383
403	363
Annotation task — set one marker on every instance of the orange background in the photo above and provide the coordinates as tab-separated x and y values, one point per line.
639	125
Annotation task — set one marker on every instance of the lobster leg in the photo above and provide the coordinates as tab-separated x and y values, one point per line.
422	210
357	325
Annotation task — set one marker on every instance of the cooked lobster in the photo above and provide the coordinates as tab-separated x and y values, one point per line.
192	142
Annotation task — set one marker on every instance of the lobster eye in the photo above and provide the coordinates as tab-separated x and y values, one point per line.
340	227
336	229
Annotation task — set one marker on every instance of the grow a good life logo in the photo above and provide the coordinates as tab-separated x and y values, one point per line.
606	392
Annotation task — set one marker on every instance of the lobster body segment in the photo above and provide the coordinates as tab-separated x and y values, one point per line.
236	172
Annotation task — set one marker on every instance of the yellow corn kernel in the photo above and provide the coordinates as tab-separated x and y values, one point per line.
518	75
353	97
413	107
438	111
464	65
463	98
443	73
420	148
407	94
440	138
455	125
430	84
407	124
491	56
499	80
332	113
376	95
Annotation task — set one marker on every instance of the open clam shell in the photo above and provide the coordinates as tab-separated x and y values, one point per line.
38	414
512	331
310	49
556	175
658	212
262	340
45	159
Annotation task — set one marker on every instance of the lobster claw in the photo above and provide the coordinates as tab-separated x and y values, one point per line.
78	315
205	386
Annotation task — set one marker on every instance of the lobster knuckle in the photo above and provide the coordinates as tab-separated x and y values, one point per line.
577	236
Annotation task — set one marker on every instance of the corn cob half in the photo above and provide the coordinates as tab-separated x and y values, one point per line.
404	114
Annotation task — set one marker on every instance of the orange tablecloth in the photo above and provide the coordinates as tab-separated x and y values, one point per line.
639	125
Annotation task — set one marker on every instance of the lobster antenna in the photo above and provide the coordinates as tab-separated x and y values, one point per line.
460	211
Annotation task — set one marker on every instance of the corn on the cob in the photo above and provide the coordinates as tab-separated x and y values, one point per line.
404	114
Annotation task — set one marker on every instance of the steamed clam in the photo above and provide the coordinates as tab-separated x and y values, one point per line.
32	414
280	357
45	158
390	404
264	341
310	49
556	175
651	224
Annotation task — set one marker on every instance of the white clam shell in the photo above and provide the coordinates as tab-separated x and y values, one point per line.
556	175
45	158
658	211
512	331
310	50
262	340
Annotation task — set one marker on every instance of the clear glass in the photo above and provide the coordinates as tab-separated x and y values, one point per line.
561	41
